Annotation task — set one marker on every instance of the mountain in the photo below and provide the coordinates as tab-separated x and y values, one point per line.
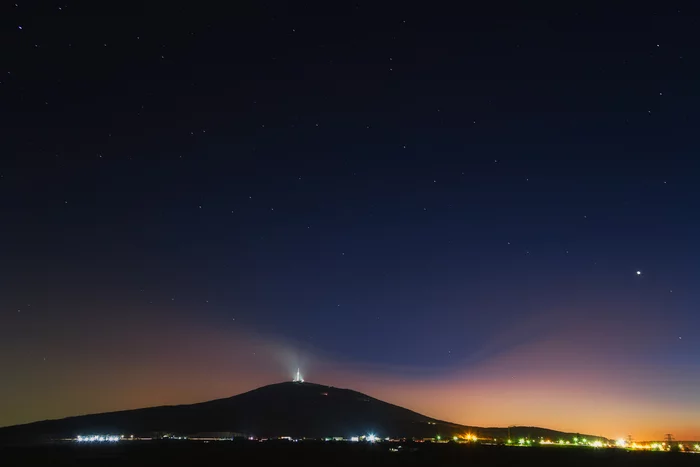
283	409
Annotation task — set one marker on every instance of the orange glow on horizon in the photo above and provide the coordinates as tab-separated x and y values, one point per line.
527	386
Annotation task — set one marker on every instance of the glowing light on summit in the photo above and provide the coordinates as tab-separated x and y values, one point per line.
298	378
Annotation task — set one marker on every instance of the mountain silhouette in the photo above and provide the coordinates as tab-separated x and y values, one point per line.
284	409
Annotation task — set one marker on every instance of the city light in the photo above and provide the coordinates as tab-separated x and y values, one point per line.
98	439
459	438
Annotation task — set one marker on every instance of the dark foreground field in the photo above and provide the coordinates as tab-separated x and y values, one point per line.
224	453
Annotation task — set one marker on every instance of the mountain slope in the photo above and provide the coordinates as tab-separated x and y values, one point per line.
284	409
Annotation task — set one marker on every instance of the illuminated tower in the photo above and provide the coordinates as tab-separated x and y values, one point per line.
298	378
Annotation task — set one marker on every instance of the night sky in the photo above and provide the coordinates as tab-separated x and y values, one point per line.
489	216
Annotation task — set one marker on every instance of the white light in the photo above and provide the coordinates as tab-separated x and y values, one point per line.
371	438
620	443
98	438
354	439
639	273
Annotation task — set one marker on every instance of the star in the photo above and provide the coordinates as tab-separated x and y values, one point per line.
639	273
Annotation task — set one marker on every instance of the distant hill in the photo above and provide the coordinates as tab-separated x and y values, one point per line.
284	409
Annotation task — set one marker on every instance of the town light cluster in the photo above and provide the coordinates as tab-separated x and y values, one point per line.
372	438
98	439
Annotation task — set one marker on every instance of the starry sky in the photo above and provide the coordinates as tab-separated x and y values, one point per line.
487	215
